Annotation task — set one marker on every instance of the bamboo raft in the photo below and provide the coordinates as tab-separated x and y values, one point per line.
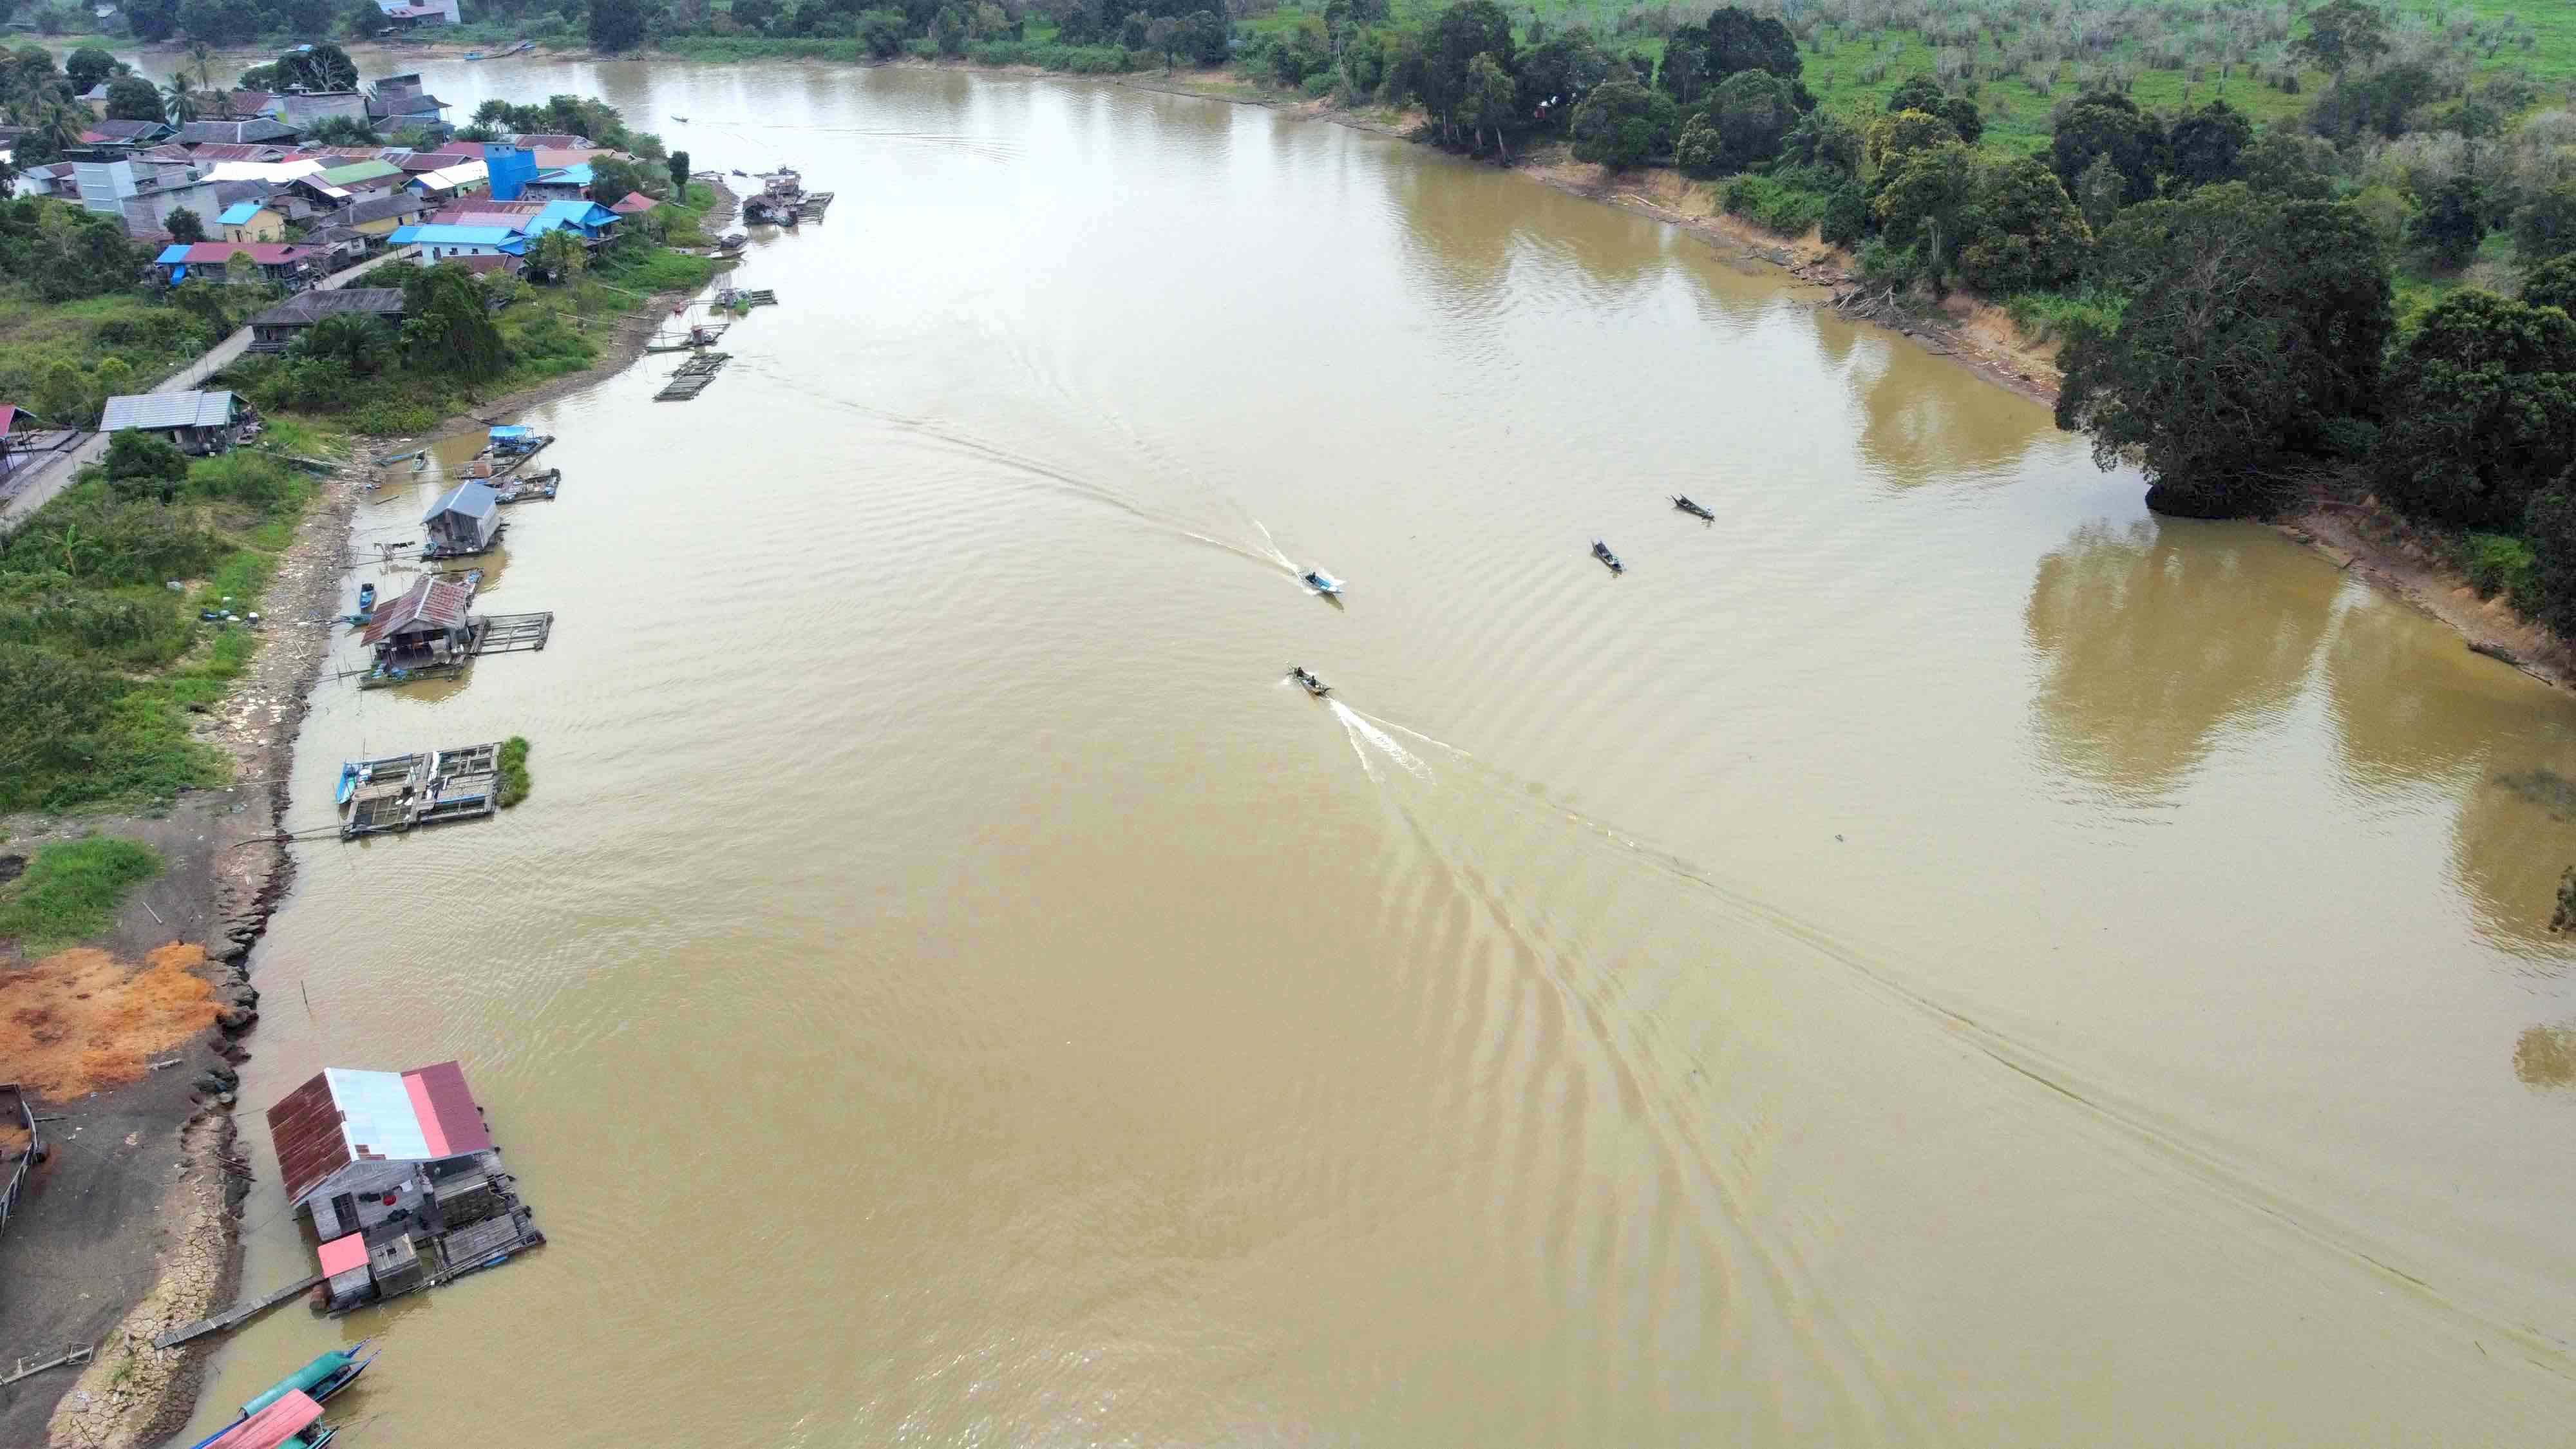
692	377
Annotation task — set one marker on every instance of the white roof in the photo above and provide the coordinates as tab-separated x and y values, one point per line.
454	176
376	1114
275	172
151	410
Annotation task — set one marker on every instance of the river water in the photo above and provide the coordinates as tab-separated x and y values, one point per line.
1937	956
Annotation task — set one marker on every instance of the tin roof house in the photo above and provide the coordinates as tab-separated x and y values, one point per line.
428	629
465	520
194	422
399	1177
276	329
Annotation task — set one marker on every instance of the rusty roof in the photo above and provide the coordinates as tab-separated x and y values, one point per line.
305	1128
432	601
342	1115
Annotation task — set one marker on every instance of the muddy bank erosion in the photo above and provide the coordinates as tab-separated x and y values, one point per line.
130	1225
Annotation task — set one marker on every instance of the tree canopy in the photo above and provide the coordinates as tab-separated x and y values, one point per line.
2108	126
2481	410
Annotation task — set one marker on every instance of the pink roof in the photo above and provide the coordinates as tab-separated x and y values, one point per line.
635	204
342	1254
448	1116
267	254
271	1426
8	418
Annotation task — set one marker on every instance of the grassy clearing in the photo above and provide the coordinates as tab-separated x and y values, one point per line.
103	345
514	770
71	891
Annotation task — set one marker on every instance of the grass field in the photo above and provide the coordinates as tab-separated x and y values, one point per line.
71	891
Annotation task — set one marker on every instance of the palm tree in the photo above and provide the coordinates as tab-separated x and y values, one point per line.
181	100
60	127
203	54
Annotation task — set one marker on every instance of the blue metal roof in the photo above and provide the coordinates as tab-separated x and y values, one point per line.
238	213
512	431
566	176
175	252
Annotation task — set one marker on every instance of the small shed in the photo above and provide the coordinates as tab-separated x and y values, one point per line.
277	328
465	520
428	626
195	422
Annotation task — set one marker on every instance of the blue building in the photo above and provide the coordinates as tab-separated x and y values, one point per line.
511	169
438	243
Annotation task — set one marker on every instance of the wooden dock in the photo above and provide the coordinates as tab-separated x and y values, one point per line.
514	633
692	377
235	1316
404	792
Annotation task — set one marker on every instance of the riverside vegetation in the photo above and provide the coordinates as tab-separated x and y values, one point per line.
102	659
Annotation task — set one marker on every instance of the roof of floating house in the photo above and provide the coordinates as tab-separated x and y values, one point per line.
474	500
167	410
342	1254
273	1426
431	601
343	1115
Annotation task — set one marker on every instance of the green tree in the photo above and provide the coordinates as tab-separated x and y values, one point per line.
90	66
1738	40
2552	284
613	179
142	466
1751	111
1557	73
1489	103
1461	33
326	67
948	31
358	342
2099	192
2549	527
181	100
153	20
62	395
1923	93
560	255
2450	220
449	328
2020	231
1683	72
132	98
341	131
1825	140
2545	226
2253	335
1623	124
678	165
2208	145
2285	165
185	225
2112	126
2481	410
616	25
1890	139
1920	202
241	269
2342	35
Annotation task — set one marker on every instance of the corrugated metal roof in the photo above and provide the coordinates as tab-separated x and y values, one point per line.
167	410
272	1426
304	1127
342	1254
448	1116
308	307
375	1112
430	601
360	171
238	213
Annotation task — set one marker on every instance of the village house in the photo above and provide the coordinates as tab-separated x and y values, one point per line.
243	105
364	176
125	135
465	520
277	328
213	152
449	182
567	183
399	15
430	627
589	220
249	221
437	243
376	218
397	1174
292	265
197	423
549	141
260	131
302	108
635	203
484	211
345	246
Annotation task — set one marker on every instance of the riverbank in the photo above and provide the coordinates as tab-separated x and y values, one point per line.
154	1242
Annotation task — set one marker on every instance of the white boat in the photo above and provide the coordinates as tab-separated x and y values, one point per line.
1320	581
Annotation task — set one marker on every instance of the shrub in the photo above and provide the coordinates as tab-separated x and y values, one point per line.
72	889
1772	205
513	765
2499	563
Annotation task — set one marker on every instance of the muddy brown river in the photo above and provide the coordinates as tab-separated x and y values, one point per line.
1935	956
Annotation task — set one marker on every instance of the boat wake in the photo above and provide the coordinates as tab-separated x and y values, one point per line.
1370	743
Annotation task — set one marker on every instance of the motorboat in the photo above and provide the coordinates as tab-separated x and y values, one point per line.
1602	552
349	773
326	1375
1320	581
1683	502
293	1421
1308	682
366	598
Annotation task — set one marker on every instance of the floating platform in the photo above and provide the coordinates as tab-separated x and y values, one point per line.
692	377
513	633
404	792
536	488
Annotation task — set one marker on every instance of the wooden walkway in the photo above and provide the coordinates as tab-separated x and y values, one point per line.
235	1316
514	633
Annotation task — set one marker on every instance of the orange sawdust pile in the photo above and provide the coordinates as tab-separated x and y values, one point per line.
81	1020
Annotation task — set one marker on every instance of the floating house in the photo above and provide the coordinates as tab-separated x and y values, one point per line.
429	628
465	520
398	1176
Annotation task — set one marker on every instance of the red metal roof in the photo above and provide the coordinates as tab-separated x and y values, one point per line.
271	1426
448	1116
305	1128
8	419
635	204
